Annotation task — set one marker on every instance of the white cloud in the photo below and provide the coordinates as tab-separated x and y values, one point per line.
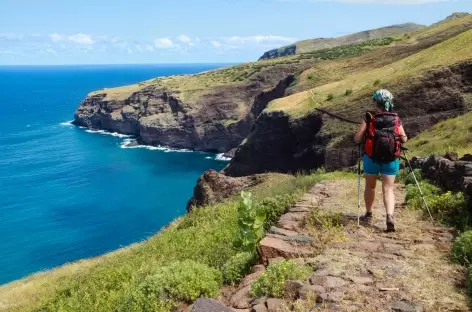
260	39
81	39
77	38
216	44
398	2
184	39
163	43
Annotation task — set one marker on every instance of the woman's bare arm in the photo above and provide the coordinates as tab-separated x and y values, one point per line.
403	136
359	136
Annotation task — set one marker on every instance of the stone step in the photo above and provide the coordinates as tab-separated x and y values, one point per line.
283	232
272	247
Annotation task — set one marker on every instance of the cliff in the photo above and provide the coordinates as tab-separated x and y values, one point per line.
212	111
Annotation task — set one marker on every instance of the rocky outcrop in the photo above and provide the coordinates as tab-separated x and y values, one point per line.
216	118
275	53
213	187
281	143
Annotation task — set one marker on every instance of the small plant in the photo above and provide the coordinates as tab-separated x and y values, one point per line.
324	227
274	207
377	82
348	92
450	208
413	195
462	250
181	281
410	179
310	77
330	97
238	266
251	218
272	282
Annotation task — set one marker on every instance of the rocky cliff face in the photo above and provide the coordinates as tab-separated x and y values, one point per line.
212	119
283	144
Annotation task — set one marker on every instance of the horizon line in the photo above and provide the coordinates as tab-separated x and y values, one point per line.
112	64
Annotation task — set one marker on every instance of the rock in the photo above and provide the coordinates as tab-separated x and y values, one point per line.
261	300
313	289
242	298
259	308
292	289
297	239
209	305
213	187
289	225
452	156
230	153
248	279
334	297
361	280
466	157
327	281
258	268
406	306
271	247
282	232
275	305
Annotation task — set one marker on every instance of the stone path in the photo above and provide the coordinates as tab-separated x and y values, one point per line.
359	269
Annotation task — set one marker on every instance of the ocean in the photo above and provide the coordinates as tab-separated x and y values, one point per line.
67	193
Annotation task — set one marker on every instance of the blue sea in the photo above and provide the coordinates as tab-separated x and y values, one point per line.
67	193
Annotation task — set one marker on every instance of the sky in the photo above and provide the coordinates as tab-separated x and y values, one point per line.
55	32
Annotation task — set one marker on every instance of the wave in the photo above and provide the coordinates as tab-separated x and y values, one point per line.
115	134
67	123
221	157
132	143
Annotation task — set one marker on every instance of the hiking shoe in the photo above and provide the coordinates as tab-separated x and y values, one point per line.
390	223
367	218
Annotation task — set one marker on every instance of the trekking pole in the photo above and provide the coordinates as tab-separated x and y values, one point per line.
359	188
404	149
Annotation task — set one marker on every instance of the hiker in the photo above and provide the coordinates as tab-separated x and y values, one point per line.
381	133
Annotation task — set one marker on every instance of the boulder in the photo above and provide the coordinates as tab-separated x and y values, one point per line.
275	305
453	156
259	308
209	305
213	187
242	298
466	157
271	247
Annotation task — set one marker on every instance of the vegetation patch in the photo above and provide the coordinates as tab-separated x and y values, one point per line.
238	266
179	282
272	281
462	249
325	227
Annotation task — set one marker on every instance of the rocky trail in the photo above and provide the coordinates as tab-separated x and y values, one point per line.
356	269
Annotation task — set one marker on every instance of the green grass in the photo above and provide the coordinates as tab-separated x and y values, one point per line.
206	235
452	135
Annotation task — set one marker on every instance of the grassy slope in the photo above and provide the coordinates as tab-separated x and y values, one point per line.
191	84
451	135
100	284
452	51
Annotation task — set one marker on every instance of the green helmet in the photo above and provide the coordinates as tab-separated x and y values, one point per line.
384	99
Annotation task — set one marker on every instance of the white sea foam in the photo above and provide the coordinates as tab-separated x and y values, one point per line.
115	134
132	143
221	157
67	123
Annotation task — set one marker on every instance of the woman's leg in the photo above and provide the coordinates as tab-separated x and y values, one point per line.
369	192
389	200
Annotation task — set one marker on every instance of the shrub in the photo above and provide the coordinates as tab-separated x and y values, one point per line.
410	179
377	82
272	282
238	266
450	208
276	206
348	92
181	281
330	97
469	281
462	249
310	77
251	218
413	195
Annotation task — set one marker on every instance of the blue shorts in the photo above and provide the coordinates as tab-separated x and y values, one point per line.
388	169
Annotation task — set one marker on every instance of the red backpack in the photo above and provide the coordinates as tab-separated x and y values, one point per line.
382	138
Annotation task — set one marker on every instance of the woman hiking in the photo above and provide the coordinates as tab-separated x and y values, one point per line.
381	133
